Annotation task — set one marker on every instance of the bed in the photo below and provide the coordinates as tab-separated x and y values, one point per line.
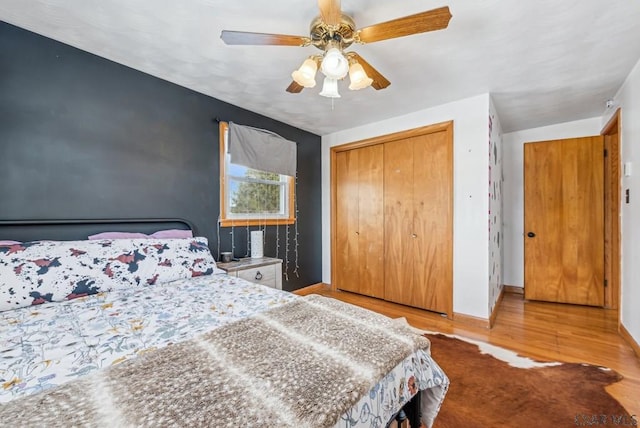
147	331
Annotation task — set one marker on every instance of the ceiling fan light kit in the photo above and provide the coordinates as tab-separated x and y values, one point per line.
306	74
332	32
334	64
330	88
358	77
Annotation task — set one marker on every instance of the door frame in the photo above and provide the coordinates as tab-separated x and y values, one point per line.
612	208
429	129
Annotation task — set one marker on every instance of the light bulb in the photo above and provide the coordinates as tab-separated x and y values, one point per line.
334	64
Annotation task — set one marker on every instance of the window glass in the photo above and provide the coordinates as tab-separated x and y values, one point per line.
250	196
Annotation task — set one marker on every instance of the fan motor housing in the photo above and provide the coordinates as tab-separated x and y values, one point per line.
323	34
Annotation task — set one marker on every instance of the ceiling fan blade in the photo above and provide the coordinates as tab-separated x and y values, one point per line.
431	20
379	81
294	88
330	11
246	38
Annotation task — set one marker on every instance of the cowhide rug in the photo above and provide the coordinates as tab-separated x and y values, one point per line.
487	391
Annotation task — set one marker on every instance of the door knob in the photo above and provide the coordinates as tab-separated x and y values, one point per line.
531	234
413	235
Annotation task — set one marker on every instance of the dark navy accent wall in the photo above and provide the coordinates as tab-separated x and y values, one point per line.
82	137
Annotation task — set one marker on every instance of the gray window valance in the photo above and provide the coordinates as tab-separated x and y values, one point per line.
261	149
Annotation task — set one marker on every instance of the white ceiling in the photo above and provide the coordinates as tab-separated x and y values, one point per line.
543	61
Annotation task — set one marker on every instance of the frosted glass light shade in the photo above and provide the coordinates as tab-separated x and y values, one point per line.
330	88
358	77
306	75
334	64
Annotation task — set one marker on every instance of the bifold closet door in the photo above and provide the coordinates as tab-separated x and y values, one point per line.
418	182
359	249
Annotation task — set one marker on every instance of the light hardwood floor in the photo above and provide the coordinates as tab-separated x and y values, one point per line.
544	331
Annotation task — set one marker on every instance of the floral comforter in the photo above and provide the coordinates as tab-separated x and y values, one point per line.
51	344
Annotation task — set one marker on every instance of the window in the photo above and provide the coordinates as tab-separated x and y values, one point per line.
252	197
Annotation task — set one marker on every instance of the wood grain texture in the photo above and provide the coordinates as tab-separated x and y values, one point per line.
564	262
294	88
543	263
248	38
399	279
347	249
401	135
371	221
398	212
433	221
419	221
359	223
431	20
330	11
542	330
612	193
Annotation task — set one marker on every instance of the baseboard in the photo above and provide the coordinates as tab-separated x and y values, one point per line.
471	320
494	312
630	340
311	289
513	289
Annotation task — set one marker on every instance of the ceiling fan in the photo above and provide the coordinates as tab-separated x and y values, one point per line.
332	32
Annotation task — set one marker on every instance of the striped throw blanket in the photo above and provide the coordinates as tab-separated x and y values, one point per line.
302	364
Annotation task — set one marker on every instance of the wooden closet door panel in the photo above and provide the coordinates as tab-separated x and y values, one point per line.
398	221
347	194
433	222
371	221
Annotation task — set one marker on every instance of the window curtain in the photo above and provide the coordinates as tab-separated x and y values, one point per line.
261	149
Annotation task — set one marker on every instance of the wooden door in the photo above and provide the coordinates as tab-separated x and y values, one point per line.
359	221
371	221
400	282
418	181
433	222
564	226
347	248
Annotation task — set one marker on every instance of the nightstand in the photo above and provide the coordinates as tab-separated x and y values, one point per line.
265	270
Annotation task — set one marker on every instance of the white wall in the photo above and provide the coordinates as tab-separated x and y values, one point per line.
513	145
628	98
470	249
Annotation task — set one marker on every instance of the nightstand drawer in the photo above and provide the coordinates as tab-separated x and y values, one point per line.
264	270
265	275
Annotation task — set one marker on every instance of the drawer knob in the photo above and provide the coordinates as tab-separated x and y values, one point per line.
258	276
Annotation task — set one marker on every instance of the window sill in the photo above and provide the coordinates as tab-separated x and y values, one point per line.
256	222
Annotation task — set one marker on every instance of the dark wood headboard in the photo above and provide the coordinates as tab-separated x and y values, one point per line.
77	229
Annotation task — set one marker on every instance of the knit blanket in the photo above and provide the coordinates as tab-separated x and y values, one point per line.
302	364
